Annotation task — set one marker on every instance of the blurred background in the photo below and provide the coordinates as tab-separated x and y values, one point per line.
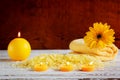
53	24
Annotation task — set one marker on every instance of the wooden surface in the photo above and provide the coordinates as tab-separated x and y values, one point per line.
111	72
52	24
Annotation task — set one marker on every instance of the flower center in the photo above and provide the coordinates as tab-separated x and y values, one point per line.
99	36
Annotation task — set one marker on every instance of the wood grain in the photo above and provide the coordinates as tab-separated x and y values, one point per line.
52	24
8	72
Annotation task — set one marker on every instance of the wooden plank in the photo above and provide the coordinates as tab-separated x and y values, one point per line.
9	72
52	24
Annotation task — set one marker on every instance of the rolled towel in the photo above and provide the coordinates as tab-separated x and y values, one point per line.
105	54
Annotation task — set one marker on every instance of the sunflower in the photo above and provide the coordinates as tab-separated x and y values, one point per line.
99	36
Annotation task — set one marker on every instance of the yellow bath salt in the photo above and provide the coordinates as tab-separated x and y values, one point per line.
55	60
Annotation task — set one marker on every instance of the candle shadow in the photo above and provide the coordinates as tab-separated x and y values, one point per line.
6	60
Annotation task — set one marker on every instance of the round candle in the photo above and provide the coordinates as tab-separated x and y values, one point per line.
19	48
90	67
67	67
40	67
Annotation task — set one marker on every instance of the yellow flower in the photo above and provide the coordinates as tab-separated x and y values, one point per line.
99	36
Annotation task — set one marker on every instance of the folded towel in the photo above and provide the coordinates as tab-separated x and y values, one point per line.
105	54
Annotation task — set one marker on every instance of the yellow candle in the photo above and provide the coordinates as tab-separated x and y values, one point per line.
67	67
88	68
19	48
40	67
